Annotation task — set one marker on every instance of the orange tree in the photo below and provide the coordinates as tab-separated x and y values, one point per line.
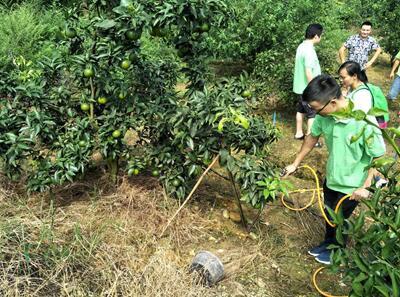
66	113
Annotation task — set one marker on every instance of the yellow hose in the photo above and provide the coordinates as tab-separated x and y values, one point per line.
316	286
320	202
321	207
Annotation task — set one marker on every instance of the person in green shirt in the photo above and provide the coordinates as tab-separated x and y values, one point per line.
345	169
305	69
395	88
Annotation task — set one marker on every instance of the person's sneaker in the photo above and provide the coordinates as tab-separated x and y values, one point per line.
318	249
380	182
324	257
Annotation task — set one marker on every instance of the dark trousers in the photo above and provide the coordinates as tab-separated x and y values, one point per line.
331	199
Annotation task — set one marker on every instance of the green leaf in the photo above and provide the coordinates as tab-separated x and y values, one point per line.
221	124
395	286
381	162
243	121
377	112
359	115
358	288
192	169
339	234
266	193
106	24
395	131
383	290
344	113
361	277
356	137
125	3
359	262
359	222
190	143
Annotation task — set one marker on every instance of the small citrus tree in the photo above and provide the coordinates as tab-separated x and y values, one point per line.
100	97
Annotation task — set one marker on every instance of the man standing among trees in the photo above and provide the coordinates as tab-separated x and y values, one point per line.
306	68
347	160
359	47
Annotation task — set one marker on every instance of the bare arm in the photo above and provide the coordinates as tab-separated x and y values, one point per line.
394	67
309	74
307	146
342	55
374	57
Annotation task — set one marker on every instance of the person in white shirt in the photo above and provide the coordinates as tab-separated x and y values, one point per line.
354	80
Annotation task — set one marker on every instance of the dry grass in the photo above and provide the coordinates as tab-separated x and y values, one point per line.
102	240
103	247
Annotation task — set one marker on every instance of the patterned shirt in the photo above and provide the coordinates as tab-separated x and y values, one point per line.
360	48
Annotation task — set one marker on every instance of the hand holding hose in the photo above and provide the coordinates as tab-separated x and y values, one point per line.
288	170
359	194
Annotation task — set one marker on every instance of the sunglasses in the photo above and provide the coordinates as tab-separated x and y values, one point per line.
326	104
338	94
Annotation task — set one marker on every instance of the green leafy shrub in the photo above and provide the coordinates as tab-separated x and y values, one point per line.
385	17
28	31
114	71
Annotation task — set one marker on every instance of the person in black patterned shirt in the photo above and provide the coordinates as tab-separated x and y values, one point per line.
360	46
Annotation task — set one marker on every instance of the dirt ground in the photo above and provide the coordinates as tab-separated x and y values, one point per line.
127	256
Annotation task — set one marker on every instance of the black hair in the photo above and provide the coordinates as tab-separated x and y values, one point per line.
322	88
367	23
354	68
312	30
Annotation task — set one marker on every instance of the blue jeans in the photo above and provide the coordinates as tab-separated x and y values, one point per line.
394	89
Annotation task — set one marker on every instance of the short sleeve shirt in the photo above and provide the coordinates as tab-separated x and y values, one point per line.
360	48
345	169
306	57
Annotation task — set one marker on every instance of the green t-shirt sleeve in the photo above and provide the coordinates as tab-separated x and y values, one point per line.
316	128
398	56
375	146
